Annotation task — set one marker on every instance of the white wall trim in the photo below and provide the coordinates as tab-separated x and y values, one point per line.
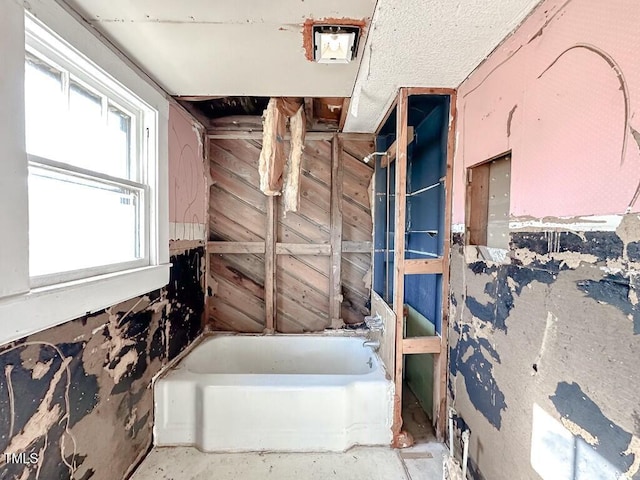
47	307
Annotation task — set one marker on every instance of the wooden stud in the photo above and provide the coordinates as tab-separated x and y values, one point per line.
270	266
302	249
308	110
344	113
417	345
440	361
312	136
423	267
236	247
477	205
430	91
387	159
337	172
357	247
399	253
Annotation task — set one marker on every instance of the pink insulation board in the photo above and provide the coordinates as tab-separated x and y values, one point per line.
563	94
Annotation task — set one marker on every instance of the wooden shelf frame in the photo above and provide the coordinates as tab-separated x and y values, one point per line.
436	345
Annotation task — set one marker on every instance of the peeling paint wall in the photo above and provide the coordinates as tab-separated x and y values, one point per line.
188	183
78	395
544	346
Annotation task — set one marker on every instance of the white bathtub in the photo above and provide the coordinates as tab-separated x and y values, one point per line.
275	393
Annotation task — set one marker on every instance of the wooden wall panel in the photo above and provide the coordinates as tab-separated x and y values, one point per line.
237	213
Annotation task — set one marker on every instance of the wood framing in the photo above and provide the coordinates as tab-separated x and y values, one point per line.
236	247
311	136
399	253
440	361
436	345
423	267
413	346
335	295
258	248
386	160
302	249
270	266
344	112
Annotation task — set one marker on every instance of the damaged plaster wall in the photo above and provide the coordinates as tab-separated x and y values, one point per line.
544	346
79	395
188	182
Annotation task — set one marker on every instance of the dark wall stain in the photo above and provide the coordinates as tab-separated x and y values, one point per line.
185	294
506	280
572	403
613	290
78	394
633	251
477	372
602	245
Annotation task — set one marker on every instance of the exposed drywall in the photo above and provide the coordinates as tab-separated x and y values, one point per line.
78	395
544	346
561	94
188	182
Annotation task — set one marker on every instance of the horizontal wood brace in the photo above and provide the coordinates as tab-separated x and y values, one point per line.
423	267
286	248
417	345
393	149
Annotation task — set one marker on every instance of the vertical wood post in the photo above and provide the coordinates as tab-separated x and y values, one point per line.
270	265
399	250
337	171
440	360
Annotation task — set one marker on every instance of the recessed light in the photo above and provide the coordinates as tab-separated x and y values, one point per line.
335	43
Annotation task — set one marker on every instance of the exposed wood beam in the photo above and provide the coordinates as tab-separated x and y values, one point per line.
391	151
399	252
308	110
430	91
236	247
357	247
440	361
257	135
197	114
423	267
344	112
270	266
337	170
302	249
258	248
417	345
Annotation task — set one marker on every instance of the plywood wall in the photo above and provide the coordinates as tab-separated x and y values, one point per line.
237	213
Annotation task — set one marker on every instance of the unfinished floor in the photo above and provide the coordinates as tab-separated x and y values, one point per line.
422	461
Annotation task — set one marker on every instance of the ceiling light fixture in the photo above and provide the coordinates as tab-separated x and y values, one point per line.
335	43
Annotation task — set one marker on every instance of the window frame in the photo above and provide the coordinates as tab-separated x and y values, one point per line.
25	309
46	47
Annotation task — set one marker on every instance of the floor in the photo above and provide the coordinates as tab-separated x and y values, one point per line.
423	461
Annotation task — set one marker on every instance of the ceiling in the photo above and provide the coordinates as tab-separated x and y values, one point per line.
255	47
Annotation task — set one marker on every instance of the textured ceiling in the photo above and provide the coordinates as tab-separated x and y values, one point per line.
255	47
223	47
435	43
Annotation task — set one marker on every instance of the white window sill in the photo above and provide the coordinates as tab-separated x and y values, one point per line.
45	307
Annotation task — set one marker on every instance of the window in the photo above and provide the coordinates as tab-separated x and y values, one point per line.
88	177
89	165
488	202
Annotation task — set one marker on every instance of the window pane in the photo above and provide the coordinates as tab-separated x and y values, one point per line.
76	223
85	130
45	109
118	147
